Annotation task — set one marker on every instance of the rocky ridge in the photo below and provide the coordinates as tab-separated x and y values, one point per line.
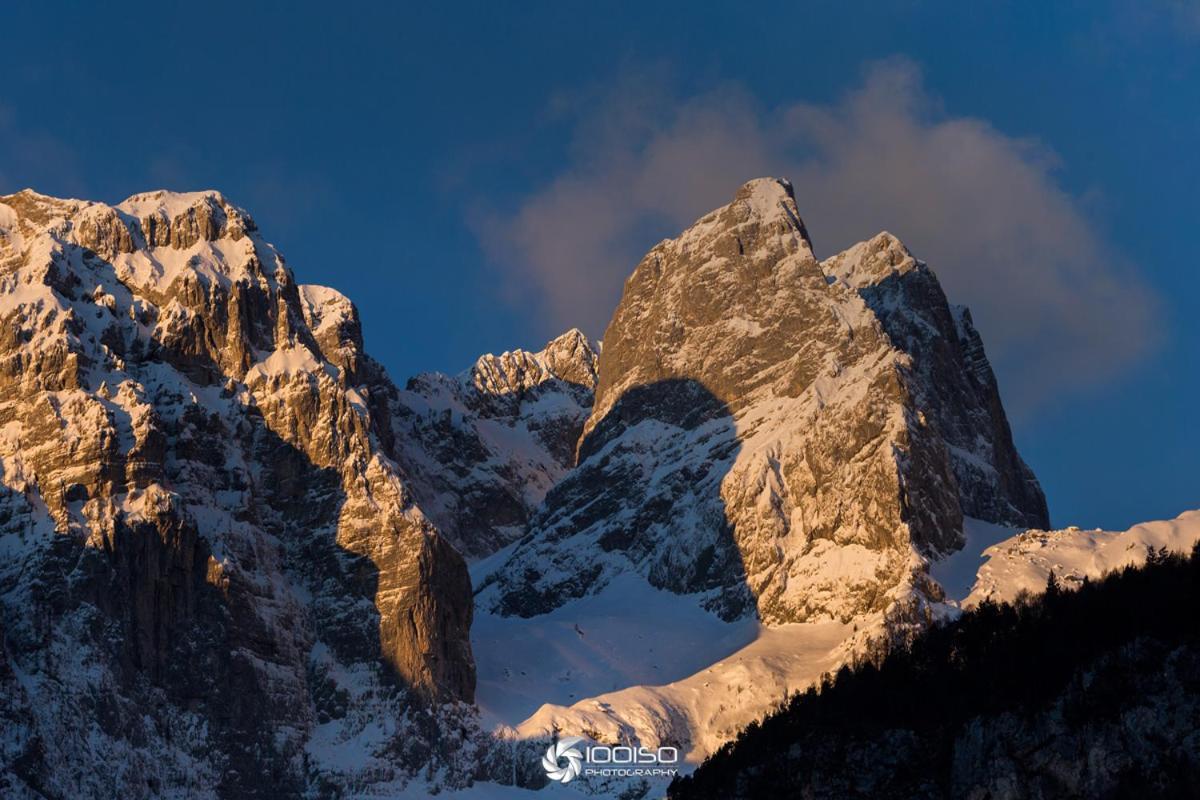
483	448
214	574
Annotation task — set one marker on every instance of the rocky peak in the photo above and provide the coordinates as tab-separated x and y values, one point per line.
761	416
204	446
870	262
333	321
703	305
569	357
950	377
180	219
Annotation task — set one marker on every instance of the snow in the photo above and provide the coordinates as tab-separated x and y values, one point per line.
707	708
628	634
172	204
767	198
1023	562
219	262
957	572
632	662
9	224
324	307
286	361
15	293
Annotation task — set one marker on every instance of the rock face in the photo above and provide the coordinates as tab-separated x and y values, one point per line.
780	435
214	573
484	447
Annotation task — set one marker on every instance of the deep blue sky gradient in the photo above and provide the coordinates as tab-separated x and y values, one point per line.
363	138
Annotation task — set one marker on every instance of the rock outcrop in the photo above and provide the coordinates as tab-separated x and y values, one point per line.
214	572
777	434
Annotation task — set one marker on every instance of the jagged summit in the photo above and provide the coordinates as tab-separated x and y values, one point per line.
761	415
570	357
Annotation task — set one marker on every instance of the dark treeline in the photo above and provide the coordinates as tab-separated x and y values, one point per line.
1076	693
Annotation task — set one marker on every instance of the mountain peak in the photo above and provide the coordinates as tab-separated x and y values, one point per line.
766	191
569	357
772	199
869	262
172	204
795	420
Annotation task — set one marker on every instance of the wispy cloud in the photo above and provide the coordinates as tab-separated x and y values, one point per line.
1059	307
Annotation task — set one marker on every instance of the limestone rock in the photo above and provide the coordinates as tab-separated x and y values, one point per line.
776	434
214	572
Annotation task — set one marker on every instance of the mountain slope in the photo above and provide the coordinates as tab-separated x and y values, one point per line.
214	575
1087	693
637	665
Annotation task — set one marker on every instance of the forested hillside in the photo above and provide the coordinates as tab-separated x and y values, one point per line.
1075	693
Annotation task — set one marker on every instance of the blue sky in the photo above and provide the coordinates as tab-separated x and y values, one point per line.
479	177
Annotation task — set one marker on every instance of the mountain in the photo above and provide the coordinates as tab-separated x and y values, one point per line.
483	448
237	561
777	435
778	449
215	578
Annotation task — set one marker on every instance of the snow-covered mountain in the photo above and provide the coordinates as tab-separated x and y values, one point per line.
214	578
781	441
1023	559
234	556
777	435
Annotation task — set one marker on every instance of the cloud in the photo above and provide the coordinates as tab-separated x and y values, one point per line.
1058	306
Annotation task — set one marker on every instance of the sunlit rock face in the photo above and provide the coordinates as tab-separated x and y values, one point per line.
213	570
780	435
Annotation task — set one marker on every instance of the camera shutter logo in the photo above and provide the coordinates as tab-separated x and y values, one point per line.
565	748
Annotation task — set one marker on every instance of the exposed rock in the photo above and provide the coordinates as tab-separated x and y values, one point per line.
953	380
214	570
775	433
